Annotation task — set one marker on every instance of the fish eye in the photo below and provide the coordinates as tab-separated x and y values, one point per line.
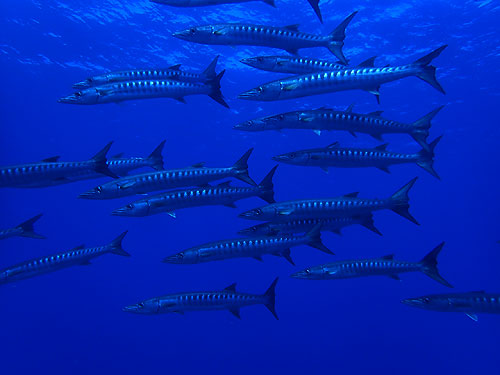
141	304
281	117
180	255
78	93
260	58
258	211
192	30
130	206
260	89
292	155
308	270
98	189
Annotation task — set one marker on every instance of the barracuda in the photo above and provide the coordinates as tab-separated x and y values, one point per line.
325	119
146	89
378	157
346	205
334	224
203	3
384	266
291	64
172	73
25	229
77	256
367	79
222	194
253	247
50	171
227	299
287	38
471	303
197	175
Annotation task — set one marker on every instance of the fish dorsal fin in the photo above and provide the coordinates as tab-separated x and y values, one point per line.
175	67
294	27
479	291
230	288
388	257
368	63
52	159
350	108
198	165
117	156
224	184
381	147
333	145
322	108
352	195
79	247
375	113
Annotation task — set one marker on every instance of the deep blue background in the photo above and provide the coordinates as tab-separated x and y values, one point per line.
71	321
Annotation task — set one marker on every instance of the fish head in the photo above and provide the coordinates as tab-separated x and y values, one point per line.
184	257
91	82
311	273
266	92
198	34
88	96
292	158
139	208
275	122
259	230
425	302
150	306
261	62
105	191
262	213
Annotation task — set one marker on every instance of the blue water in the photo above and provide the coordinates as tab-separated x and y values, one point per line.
71	321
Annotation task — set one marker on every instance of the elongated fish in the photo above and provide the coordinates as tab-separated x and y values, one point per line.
197	175
74	257
378	157
252	247
346	205
146	89
471	303
222	194
367	79
384	266
333	224
172	73
227	299
287	38
203	3
25	229
325	119
50	171
291	64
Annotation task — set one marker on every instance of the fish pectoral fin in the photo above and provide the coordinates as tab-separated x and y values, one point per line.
175	67
352	133
52	159
172	214
375	91
325	169
385	169
232	205
317	132
292	51
182	100
472	316
290	87
236	313
85	263
337	232
178	312
394	277
258	257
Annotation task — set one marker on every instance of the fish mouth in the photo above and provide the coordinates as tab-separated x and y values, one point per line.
248	214
71	99
250	94
121	212
246	231
280	158
88	195
415	302
249	61
131	308
243	126
300	275
174	259
183	34
81	85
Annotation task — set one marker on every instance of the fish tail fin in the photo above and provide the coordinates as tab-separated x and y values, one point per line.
315	6
426	157
209	72
116	245
400	201
429	266
29	230
100	160
156	157
270	298
428	72
216	93
270	2
267	186
241	168
421	127
337	37
367	222
314	236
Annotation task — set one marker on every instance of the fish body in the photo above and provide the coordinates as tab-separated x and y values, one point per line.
25	229
77	256
383	266
146	89
252	247
287	38
470	303
227	299
378	157
222	194
203	3
291	64
359	78
50	171
172	73
196	175
346	205
334	224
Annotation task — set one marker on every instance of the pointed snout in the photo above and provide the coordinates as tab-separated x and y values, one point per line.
281	158
123	211
299	275
71	99
415	302
81	85
131	308
173	259
247	214
252	94
183	34
249	61
88	195
247	125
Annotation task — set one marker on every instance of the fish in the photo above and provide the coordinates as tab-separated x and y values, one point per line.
368	79
25	229
291	64
383	266
203	3
171	73
333	224
326	119
378	157
252	247
74	257
227	299
470	303
196	175
50	171
346	205
221	194
287	38
146	89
